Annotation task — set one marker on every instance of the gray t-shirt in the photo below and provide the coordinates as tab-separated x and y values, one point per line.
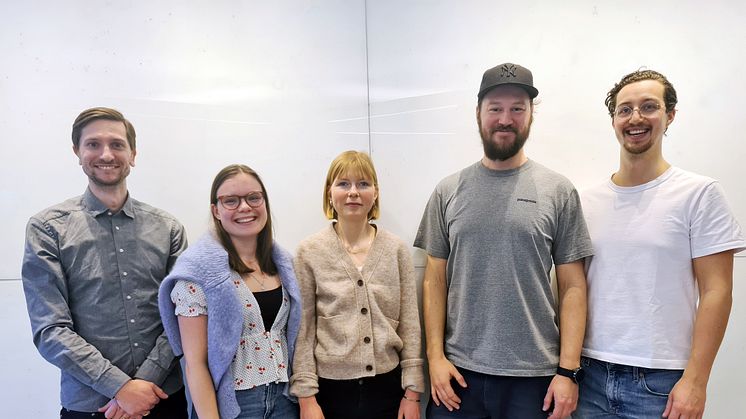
500	232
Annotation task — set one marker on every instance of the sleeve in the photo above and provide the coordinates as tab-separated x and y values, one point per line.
304	381
45	288
409	326
432	234
714	228
161	359
572	241
189	299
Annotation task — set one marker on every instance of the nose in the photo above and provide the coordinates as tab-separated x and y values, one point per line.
636	115
503	118
243	205
106	153
353	191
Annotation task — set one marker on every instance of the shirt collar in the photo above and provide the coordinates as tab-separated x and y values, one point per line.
94	206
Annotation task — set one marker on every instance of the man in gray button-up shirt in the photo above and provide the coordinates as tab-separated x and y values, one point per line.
91	270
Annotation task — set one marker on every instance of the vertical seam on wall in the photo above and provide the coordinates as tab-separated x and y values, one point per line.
367	77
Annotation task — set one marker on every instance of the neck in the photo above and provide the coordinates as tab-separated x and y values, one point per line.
512	163
246	249
637	169
354	234
111	196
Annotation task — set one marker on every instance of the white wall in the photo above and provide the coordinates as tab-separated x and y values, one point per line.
283	86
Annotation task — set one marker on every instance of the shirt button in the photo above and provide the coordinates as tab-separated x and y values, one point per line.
136	344
129	297
368	368
121	250
109	213
364	310
360	282
132	320
124	273
116	227
366	340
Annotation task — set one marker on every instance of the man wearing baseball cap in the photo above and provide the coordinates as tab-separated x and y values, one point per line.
492	232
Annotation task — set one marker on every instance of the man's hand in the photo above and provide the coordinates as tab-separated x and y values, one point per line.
564	392
686	401
112	410
441	372
139	397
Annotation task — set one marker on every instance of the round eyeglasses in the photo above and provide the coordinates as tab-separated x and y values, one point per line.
647	109
231	202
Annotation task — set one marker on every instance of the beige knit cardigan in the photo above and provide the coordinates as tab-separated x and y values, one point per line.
356	324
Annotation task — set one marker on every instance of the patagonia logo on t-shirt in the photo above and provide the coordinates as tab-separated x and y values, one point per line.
526	200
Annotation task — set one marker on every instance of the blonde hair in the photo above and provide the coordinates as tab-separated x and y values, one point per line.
356	162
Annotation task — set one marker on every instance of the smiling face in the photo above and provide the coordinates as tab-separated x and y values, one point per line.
504	120
352	196
640	134
105	154
243	222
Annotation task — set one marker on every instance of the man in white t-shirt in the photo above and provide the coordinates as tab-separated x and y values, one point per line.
660	280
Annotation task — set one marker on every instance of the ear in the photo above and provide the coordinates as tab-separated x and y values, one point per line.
77	153
214	210
670	116
132	159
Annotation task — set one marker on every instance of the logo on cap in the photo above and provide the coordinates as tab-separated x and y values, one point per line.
508	70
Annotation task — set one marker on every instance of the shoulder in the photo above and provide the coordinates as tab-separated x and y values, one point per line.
390	239
451	182
317	242
151	211
56	214
548	177
686	179
204	261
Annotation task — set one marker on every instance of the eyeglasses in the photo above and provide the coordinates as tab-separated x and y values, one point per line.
647	109
231	202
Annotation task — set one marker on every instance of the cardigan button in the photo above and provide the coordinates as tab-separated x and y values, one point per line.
368	368
364	310
360	282
366	340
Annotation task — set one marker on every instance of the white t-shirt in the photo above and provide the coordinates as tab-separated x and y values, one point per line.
642	293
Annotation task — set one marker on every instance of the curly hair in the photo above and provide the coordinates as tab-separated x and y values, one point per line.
669	93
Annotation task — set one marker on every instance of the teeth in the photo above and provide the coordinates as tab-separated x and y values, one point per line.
637	131
245	220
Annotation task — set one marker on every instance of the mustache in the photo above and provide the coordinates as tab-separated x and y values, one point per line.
505	128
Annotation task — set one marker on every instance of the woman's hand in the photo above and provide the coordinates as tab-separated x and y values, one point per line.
409	408
309	408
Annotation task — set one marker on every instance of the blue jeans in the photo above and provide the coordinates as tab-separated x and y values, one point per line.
266	402
623	391
495	397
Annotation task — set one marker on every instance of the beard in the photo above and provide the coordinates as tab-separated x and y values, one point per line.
494	151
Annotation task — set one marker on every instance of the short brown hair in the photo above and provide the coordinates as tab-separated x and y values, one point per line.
669	93
351	161
264	239
109	114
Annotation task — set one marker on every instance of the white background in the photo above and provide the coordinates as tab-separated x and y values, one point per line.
285	86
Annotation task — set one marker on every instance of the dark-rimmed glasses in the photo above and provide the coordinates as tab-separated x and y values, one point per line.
231	202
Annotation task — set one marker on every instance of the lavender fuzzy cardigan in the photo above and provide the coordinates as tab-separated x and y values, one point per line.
206	263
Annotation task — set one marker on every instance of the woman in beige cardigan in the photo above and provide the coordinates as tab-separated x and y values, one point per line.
358	353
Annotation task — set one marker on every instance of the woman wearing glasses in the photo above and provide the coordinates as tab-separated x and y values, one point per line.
359	344
233	295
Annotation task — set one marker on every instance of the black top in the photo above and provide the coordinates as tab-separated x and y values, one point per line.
269	304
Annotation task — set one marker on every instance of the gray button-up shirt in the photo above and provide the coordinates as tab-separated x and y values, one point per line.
91	280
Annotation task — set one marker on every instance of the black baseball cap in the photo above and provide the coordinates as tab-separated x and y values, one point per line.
507	73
